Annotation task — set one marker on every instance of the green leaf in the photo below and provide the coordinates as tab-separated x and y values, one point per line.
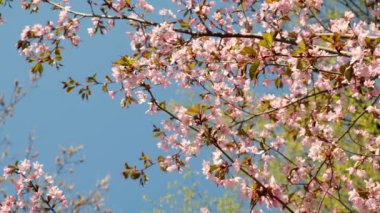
254	69
372	43
264	44
192	65
70	89
303	64
135	174
123	102
184	24
376	41
278	82
58	31
204	108
91	79
301	48
146	54
38	68
248	51
348	73
72	81
343	68
336	37
157	134
85	93
328	39
126	174
268	37
144	179
127	166
58	58
57	51
267	40
368	41
105	87
162	104
197	109
194	109
108	79
125	61
160	159
144	157
146	164
213	168
302	45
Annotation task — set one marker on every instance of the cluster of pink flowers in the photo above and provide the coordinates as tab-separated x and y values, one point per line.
35	190
314	140
147	7
370	202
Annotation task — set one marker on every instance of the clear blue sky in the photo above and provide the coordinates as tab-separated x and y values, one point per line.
111	135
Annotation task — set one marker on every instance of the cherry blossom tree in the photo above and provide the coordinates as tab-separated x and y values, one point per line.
26	186
310	145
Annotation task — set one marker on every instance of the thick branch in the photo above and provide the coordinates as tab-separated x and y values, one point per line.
209	34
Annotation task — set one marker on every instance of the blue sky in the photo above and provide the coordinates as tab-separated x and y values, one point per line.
110	135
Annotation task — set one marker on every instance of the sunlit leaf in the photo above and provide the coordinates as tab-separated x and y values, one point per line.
248	51
254	69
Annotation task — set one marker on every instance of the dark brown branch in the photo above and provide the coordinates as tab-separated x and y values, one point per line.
208	34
